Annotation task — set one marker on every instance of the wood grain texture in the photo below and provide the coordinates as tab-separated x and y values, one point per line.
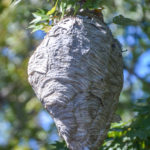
77	73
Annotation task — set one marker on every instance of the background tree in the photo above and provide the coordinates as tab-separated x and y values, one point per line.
22	116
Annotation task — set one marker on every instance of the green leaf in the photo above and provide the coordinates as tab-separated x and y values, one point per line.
37	27
37	18
32	26
121	20
41	11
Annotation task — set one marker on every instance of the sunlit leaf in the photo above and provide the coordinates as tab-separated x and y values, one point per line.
50	12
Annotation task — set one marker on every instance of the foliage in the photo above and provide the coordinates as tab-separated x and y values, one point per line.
19	108
60	146
40	21
44	20
135	134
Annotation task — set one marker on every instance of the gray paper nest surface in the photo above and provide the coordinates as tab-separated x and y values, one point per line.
77	73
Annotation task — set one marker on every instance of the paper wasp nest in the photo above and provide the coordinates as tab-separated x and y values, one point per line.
77	73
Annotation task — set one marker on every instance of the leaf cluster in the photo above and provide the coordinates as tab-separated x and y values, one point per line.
45	19
134	134
41	21
64	6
